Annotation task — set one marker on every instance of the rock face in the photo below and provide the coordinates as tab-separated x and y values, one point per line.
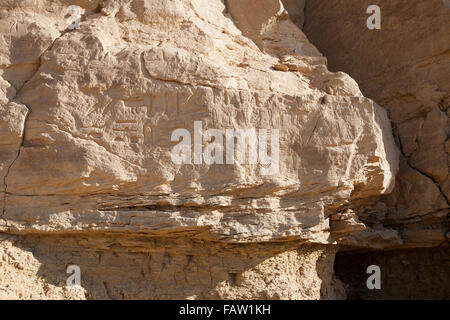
137	267
405	67
191	149
104	101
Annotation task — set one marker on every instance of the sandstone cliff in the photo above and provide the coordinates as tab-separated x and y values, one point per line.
405	67
87	122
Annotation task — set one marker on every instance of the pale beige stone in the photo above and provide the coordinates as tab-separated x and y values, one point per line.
86	118
106	98
136	267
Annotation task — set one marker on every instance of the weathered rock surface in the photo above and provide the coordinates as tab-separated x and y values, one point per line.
105	98
405	67
137	267
86	122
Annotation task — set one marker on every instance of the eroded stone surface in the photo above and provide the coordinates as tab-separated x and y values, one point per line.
136	267
106	97
405	67
86	163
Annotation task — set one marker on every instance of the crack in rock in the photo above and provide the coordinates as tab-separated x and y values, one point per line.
8	171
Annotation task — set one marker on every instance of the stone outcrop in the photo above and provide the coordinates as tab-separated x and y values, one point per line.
87	123
136	267
405	67
104	100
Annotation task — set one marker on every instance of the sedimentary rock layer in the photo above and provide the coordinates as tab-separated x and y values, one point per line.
138	267
93	114
405	67
102	101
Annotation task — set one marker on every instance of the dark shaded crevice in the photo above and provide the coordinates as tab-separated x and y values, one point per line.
162	208
429	177
384	74
410	219
424	174
405	274
408	161
226	10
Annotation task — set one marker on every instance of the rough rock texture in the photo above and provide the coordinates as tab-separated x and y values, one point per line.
138	267
405	67
86	118
104	100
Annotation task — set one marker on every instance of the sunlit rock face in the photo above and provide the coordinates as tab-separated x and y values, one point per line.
99	111
184	122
